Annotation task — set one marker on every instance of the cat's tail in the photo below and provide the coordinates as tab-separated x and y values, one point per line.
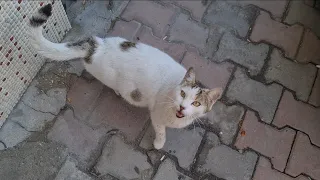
54	51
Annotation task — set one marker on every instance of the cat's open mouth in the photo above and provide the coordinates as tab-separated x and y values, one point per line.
179	114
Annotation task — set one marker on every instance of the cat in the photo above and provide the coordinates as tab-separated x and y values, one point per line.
141	74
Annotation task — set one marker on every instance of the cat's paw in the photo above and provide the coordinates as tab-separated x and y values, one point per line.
158	144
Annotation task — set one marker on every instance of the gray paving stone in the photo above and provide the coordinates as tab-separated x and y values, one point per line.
107	177
69	171
297	77
2	146
225	119
255	95
247	54
50	102
123	161
188	31
30	119
167	170
304	14
94	18
11	134
33	160
76	67
154	156
230	15
81	140
182	143
224	162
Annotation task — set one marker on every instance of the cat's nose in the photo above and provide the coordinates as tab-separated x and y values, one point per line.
181	108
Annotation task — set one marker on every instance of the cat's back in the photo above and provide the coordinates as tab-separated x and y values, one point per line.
142	61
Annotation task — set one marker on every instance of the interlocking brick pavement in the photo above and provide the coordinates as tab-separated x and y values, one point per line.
315	95
310	48
258	130
250	55
301	13
298	115
304	158
276	33
264	171
255	95
266	140
297	77
152	14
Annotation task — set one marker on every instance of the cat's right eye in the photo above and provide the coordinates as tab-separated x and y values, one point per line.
183	94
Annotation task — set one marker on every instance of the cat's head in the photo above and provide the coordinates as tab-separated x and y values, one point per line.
193	101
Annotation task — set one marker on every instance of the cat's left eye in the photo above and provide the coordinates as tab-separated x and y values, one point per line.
196	104
183	94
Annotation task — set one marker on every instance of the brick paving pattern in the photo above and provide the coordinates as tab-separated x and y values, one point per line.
265	127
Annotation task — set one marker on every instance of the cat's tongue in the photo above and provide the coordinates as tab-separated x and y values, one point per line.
179	114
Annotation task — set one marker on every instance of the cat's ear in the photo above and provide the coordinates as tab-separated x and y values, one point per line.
214	95
189	78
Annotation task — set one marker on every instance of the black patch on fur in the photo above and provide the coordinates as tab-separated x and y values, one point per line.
39	19
87	44
127	44
46	10
36	21
136	95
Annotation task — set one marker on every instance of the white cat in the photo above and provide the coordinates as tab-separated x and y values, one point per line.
143	75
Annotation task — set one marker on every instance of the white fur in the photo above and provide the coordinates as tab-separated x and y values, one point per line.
154	73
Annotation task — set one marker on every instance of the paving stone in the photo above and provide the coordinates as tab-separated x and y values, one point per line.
298	115
107	177
225	119
76	67
264	171
152	14
81	140
276	8
304	14
196	8
122	161
281	35
247	54
112	111
93	17
294	76
50	102
309	2
28	118
127	30
304	158
83	95
54	74
189	31
315	95
154	156
230	15
263	138
12	133
224	162
32	160
167	170
2	146
69	171
209	73
175	50
310	48
255	95
182	143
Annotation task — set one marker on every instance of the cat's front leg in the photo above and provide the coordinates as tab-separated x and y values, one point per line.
160	139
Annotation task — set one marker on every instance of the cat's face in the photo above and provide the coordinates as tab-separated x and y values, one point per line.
192	101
